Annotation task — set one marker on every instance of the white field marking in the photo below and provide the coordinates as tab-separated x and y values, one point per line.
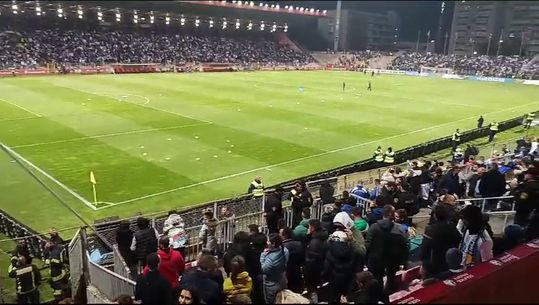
306	158
111	135
60	184
21	107
142	96
18	119
145	106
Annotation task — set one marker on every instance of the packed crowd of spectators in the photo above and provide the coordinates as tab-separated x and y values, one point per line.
498	66
358	59
77	47
346	255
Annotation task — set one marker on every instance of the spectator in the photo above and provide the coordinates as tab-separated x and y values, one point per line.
189	295
437	239
273	261
240	299
174	228
239	282
258	239
152	288
343	222
144	241
314	257
346	199
207	232
300	231
340	265
492	185
513	236
200	276
124	237
300	198
401	217
241	246
228	221
388	248
475	182
326	193
327	218
387	194
453	260
55	237
366	289
273	209
476	244
359	223
171	264
376	212
527	200
450	182
296	259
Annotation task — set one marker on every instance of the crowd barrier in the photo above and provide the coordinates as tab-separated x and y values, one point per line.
21	233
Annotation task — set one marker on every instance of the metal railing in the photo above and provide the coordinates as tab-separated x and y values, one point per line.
108	282
13	229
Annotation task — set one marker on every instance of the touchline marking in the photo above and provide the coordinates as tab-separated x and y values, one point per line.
19	119
72	192
111	135
21	107
144	105
304	158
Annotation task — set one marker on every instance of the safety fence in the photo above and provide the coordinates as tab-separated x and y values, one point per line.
18	231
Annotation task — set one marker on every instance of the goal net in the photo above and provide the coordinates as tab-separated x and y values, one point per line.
435	71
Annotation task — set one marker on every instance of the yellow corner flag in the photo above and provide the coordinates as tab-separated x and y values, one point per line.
92	178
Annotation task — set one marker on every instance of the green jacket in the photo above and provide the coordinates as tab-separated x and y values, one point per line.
300	231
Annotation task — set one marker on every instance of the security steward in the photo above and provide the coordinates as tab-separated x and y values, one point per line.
527	197
389	156
455	139
379	156
493	130
27	278
529	119
256	188
59	276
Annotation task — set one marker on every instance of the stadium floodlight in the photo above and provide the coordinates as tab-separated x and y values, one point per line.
15	8
225	23
262	25
118	16
285	28
60	12
274	27
318	11
237	24
277	6
135	17
182	21
197	22
38	9
211	23
266	5
324	12
273	6
234	1
261	4
167	19
99	14
286	7
251	3
152	18
312	10
250	26
291	8
301	9
80	12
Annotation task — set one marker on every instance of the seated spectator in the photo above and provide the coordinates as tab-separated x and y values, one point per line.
189	295
171	264
513	235
359	223
239	282
273	261
296	260
200	276
153	288
300	231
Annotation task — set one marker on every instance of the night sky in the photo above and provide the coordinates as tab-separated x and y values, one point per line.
414	15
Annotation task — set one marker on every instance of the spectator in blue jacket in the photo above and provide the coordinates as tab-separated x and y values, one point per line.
273	261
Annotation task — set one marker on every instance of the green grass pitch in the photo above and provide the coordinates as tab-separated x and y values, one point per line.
161	141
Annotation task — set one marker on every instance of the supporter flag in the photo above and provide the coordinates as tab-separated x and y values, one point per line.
92	178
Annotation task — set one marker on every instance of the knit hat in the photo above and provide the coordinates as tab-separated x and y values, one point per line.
343	219
514	232
453	258
338	236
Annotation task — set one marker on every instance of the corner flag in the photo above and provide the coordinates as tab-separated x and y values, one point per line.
92	178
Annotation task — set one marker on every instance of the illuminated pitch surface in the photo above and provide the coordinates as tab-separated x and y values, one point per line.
162	141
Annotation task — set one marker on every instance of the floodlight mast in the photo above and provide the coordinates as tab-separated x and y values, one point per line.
337	26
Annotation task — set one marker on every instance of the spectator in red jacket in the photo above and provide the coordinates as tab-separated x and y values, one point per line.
171	264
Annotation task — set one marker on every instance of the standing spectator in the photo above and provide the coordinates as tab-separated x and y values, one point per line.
258	239
171	264
144	241
207	232
258	244
228	221
314	257
239	282
387	194
492	185
475	182
296	259
273	209
327	218
376	212
326	193
359	223
300	198
340	265
273	261
300	231
153	288
200	276
174	228
388	248
189	295
437	239
343	222
476	244
241	246
450	182
124	237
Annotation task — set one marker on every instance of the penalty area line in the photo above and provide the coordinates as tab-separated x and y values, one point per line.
21	107
306	158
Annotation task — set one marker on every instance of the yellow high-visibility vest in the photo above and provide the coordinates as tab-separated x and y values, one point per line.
456	137
258	190
389	157
494	126
378	155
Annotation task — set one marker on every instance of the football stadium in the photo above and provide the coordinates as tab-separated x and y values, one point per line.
270	152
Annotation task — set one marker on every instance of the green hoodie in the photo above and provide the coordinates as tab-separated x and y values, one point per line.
300	232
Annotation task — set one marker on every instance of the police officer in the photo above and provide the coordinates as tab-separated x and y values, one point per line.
27	278
529	119
389	156
256	187
480	121
493	130
455	139
527	197
59	276
379	155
